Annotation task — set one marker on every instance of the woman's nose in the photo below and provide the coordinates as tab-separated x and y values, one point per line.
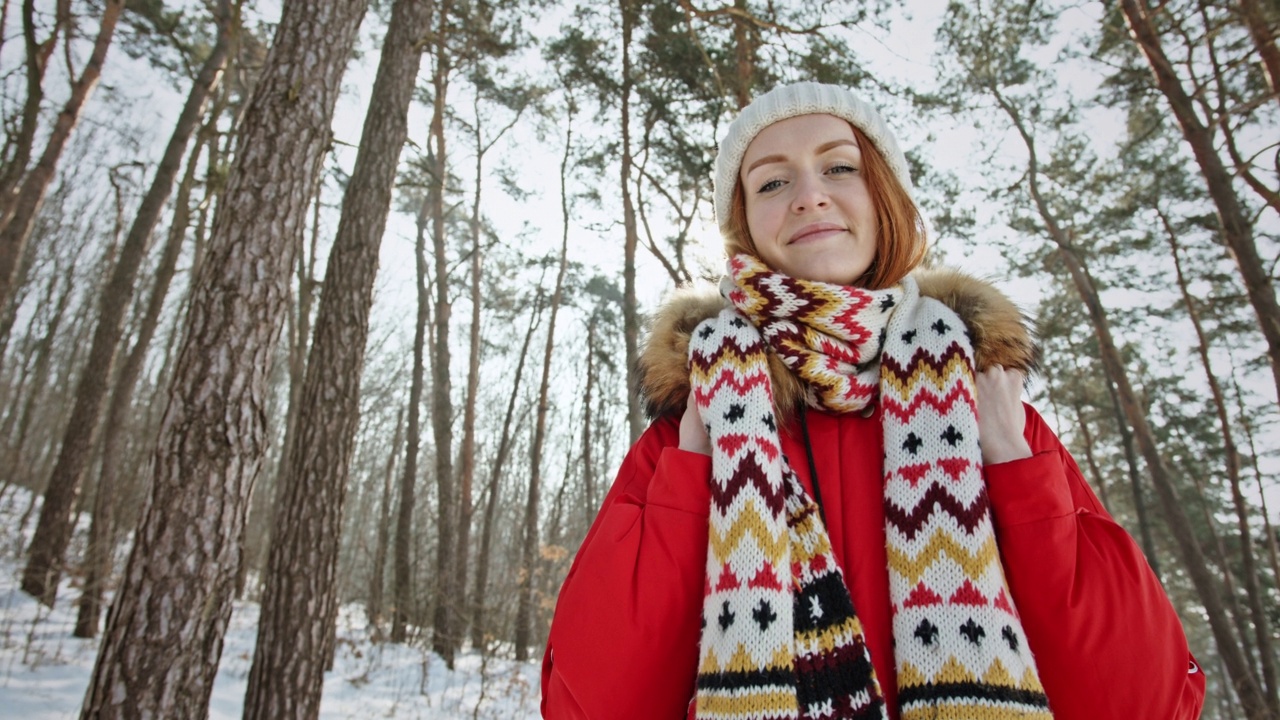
810	194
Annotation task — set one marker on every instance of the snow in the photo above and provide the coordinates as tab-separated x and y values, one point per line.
44	670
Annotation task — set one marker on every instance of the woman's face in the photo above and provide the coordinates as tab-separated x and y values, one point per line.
808	207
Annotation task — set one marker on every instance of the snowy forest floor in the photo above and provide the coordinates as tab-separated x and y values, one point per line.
44	671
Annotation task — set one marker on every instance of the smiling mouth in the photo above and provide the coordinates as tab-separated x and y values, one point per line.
815	231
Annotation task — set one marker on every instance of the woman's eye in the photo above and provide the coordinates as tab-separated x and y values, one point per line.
843	168
770	186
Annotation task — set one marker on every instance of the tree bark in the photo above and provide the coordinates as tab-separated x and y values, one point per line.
300	602
262	508
444	640
165	630
102	529
47	551
30	195
467	455
409	478
1237	230
529	550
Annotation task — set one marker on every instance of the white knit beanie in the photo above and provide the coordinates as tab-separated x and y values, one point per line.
787	101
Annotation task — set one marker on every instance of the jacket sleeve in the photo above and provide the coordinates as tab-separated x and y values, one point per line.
1106	639
624	637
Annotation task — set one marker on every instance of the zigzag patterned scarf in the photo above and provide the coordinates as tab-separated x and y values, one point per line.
780	638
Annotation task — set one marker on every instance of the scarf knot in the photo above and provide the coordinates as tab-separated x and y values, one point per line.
829	335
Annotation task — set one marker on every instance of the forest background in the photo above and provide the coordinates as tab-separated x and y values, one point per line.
333	306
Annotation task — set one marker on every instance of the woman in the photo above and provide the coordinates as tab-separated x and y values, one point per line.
810	527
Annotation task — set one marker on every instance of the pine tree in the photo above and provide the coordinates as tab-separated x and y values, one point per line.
164	634
300	601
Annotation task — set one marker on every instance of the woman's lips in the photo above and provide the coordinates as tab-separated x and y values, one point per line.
815	231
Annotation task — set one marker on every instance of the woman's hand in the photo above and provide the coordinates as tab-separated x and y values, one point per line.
693	434
1001	417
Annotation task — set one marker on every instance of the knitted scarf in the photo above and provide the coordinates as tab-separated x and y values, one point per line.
780	637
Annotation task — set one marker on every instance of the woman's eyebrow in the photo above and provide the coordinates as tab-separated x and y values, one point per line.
835	144
765	161
824	147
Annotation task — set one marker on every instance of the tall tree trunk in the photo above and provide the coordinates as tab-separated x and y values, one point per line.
164	634
467	455
478	630
444	640
466	474
588	461
300	602
1237	229
53	529
298	330
1248	561
630	304
30	195
102	529
529	550
378	577
409	478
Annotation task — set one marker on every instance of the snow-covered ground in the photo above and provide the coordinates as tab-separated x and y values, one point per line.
44	670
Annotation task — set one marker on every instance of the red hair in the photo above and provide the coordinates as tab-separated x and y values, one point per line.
900	239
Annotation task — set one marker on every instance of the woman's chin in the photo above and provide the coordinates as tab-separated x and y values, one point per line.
826	273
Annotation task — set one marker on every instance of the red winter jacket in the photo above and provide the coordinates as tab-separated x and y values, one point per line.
624	639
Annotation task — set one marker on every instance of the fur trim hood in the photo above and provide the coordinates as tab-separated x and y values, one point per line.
998	330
